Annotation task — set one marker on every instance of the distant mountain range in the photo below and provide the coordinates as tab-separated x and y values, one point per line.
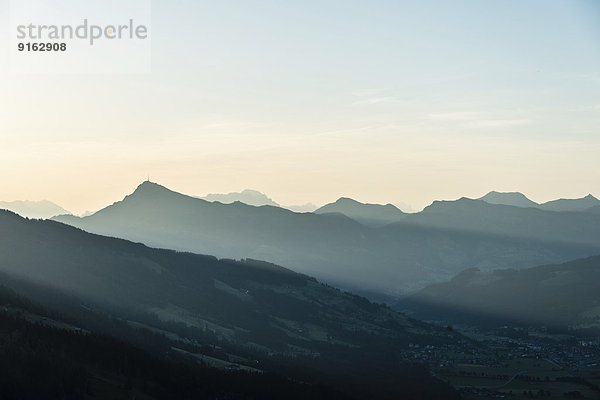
248	196
563	294
520	200
367	214
244	301
302	208
255	198
516	222
33	209
419	249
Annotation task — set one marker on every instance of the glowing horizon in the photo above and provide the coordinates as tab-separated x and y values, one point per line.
387	102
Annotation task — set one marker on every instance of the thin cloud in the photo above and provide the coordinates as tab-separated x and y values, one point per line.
367	92
233	125
455	116
478	120
498	123
375	100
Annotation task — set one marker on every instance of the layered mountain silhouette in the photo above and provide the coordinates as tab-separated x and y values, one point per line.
563	294
259	310
516	222
430	246
255	198
240	300
367	214
33	209
520	200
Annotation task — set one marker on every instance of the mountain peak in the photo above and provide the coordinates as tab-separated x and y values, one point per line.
517	199
252	192
365	213
346	200
147	187
34	209
248	196
148	183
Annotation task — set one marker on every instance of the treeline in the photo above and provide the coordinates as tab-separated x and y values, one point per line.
44	362
41	362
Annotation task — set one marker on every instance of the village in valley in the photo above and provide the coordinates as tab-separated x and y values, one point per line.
516	363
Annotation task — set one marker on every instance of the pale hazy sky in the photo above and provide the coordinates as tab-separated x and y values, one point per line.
307	101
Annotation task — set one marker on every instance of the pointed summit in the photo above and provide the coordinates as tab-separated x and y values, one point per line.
150	188
147	194
148	184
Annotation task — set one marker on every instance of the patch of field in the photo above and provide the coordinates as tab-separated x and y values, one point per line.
552	336
536	368
511	382
168	334
216	362
260	347
242	295
560	279
40	319
178	314
595	381
302	330
297	350
556	389
593	313
475	381
103	386
288	290
146	263
316	332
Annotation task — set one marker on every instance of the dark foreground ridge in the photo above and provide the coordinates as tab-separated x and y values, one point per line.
257	315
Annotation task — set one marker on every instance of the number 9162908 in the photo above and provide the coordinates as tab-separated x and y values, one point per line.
42	46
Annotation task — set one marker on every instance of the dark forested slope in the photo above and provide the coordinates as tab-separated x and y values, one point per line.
563	294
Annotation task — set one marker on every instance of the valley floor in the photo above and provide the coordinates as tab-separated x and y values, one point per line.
517	363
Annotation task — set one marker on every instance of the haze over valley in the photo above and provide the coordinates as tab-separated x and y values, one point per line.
472	263
373	249
322	200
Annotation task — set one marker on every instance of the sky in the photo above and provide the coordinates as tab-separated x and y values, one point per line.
308	101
